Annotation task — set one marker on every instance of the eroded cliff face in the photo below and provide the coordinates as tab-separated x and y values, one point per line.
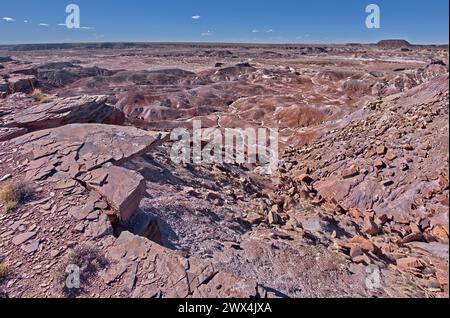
362	185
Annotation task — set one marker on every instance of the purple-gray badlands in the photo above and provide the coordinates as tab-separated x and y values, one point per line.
358	207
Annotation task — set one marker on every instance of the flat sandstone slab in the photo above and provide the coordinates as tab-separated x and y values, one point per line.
174	276
89	154
62	111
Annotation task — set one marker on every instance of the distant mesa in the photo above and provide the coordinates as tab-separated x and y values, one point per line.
393	43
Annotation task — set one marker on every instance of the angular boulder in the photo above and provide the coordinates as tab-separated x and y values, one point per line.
21	83
123	189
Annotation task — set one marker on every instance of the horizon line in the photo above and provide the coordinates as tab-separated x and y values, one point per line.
219	42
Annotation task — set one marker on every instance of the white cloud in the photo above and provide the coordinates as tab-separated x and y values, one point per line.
209	33
8	19
62	24
44	24
25	21
255	31
269	31
196	17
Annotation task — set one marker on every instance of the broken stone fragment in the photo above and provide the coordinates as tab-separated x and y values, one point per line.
176	276
21	83
7	133
440	233
355	213
379	164
381	150
274	218
22	238
254	218
306	178
409	263
87	153
370	227
123	189
90	143
413	237
351	172
366	245
391	156
100	228
31	247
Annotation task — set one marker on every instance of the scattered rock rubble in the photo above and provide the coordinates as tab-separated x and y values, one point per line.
383	176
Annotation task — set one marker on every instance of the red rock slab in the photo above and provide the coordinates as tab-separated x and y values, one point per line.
123	189
175	276
63	111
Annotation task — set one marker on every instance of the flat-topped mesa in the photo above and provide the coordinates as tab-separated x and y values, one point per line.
393	43
70	110
92	154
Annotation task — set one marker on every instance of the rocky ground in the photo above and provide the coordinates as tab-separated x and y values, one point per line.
358	207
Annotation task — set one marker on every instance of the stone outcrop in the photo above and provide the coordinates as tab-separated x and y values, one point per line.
21	83
3	86
92	154
7	133
63	111
4	59
163	273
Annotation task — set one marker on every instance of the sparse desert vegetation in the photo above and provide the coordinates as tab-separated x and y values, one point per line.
16	193
88	259
4	270
39	97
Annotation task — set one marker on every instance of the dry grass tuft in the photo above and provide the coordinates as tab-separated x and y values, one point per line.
89	259
4	270
15	194
39	96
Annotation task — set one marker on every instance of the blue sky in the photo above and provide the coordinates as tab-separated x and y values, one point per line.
259	21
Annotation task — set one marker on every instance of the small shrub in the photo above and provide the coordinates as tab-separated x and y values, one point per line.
38	96
89	259
10	206
4	270
15	194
